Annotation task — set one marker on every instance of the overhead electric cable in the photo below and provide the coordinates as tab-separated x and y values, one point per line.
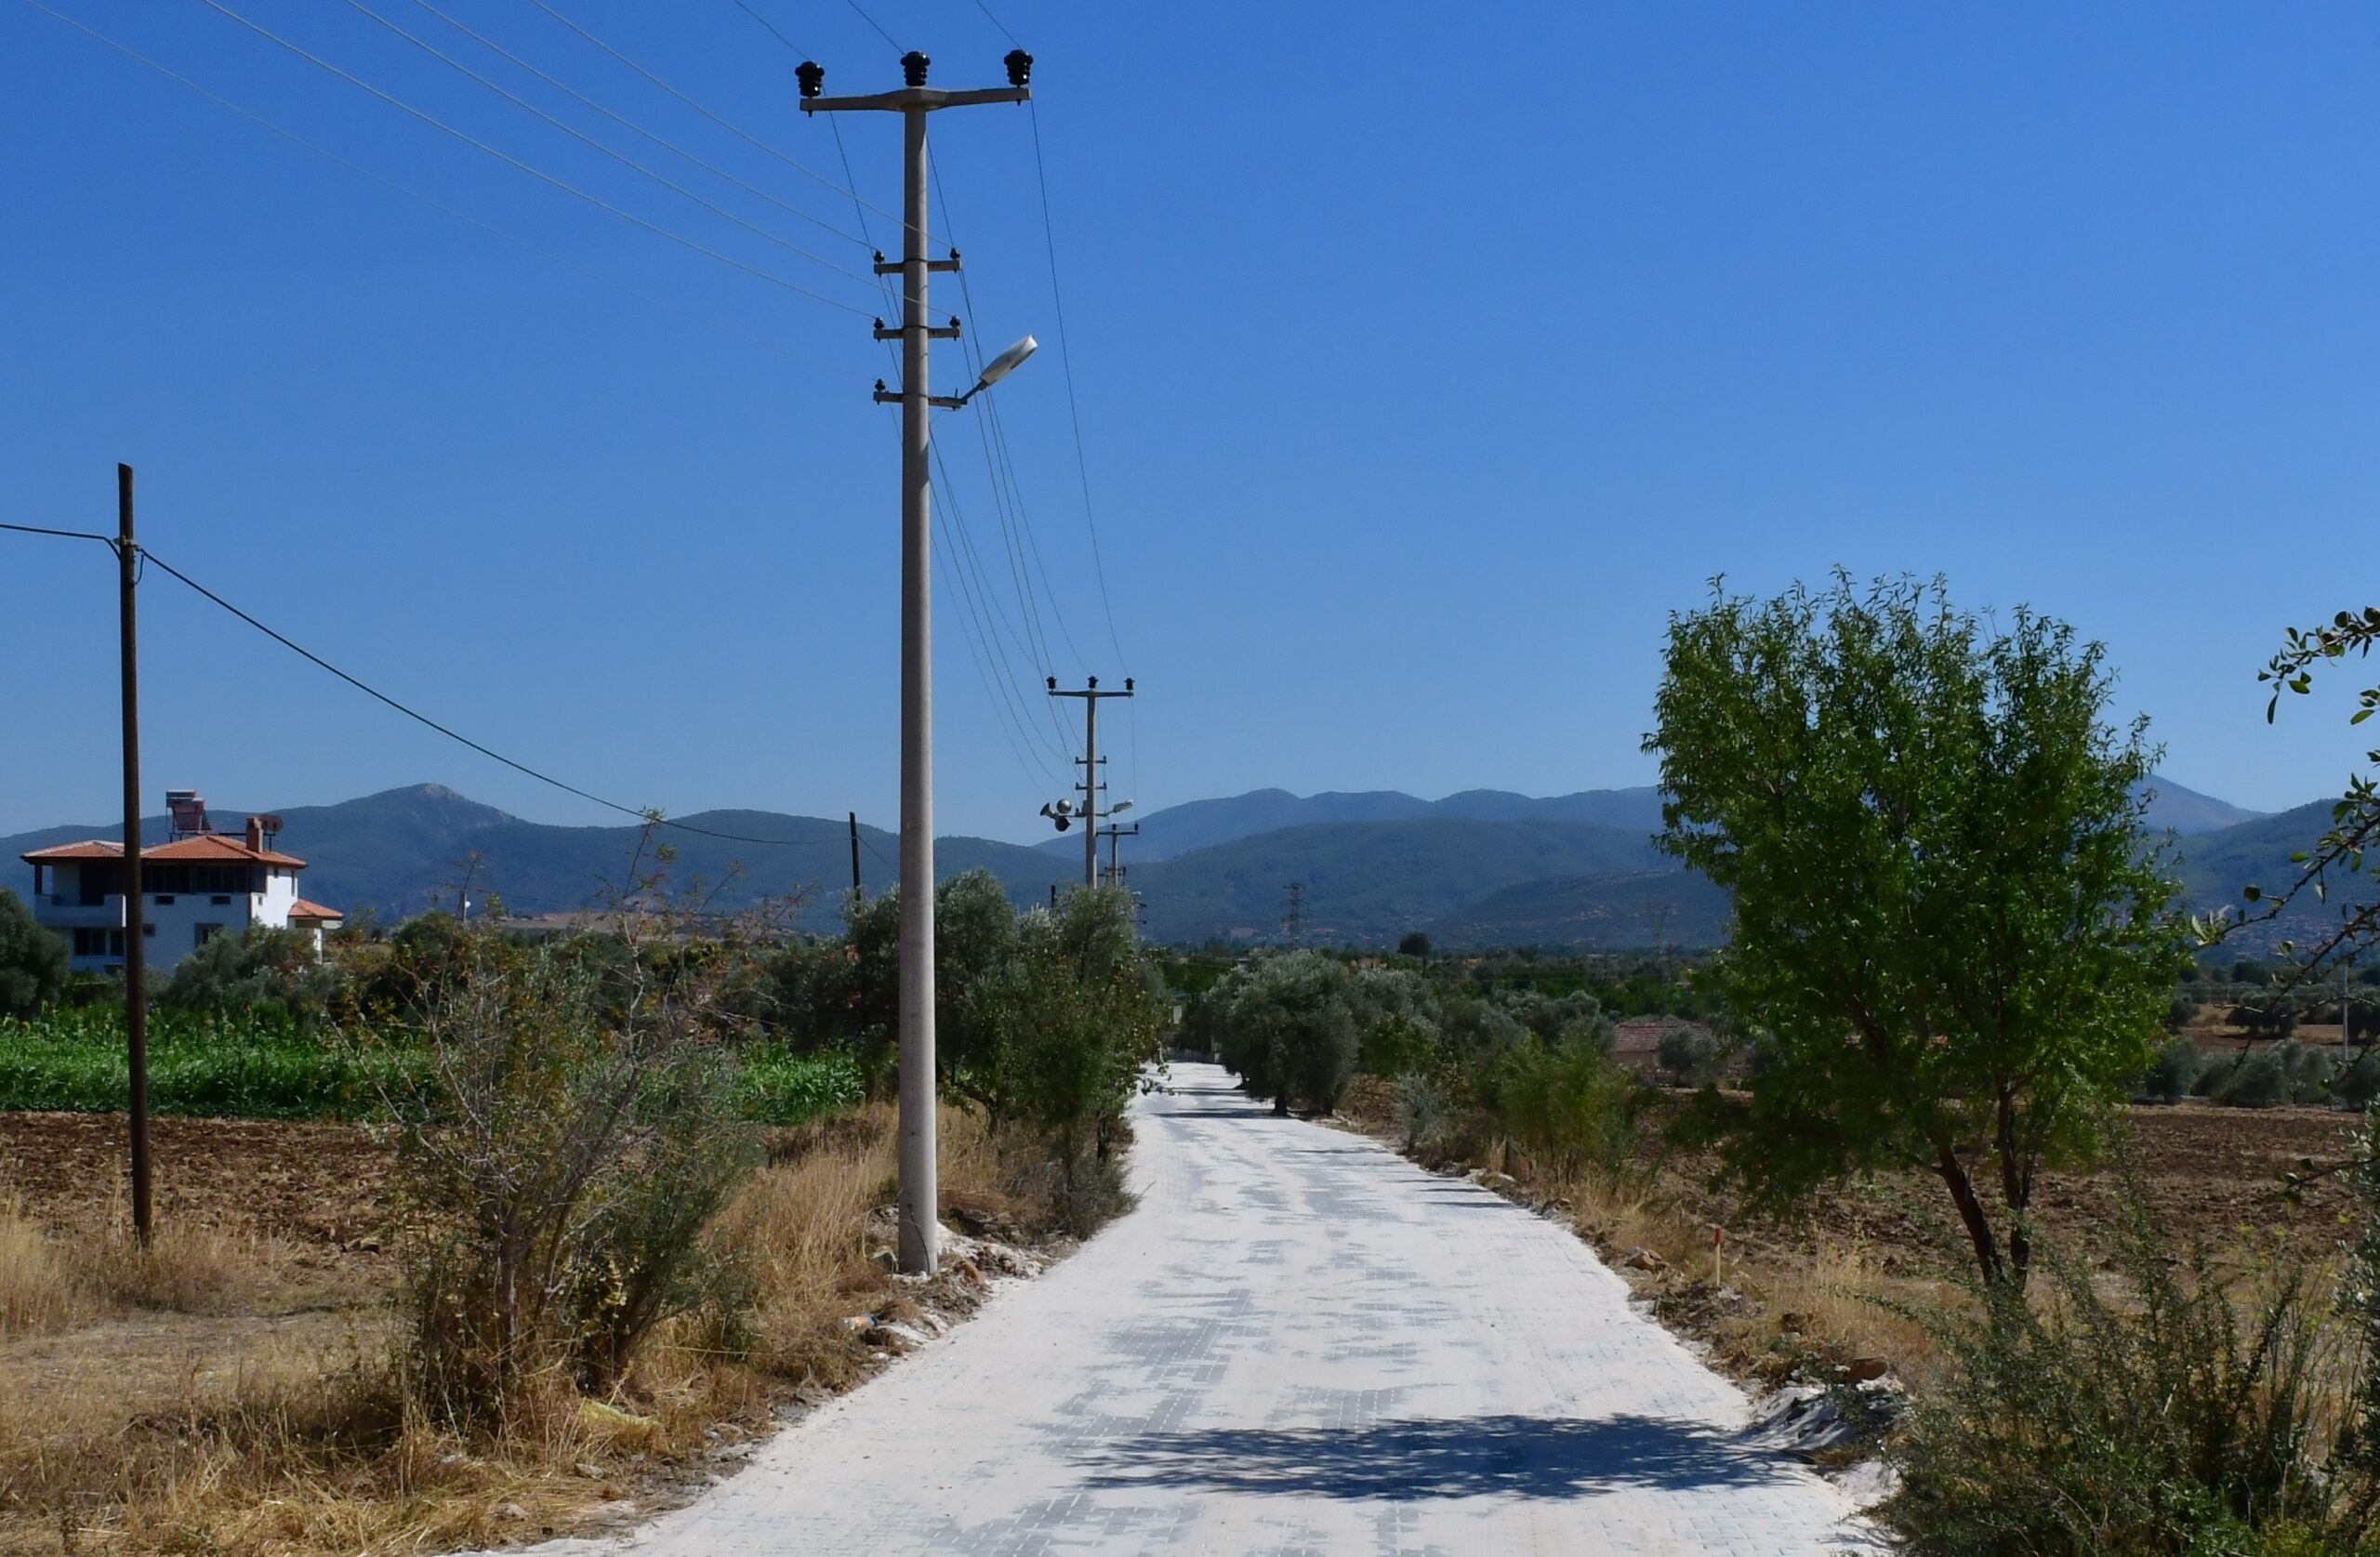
1007	496
536	173
735	332
581	135
1074	405
666	144
722	122
872	22
489	752
997	22
63	534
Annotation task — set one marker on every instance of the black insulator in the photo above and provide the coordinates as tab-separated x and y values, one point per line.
813	77
913	68
1020	67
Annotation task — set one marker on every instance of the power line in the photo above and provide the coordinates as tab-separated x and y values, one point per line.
581	135
422	719
540	174
664	143
723	124
1006	694
63	534
1074	406
872	22
733	331
997	22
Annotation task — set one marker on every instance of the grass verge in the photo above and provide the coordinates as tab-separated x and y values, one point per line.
239	1387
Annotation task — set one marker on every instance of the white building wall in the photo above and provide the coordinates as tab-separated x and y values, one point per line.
174	917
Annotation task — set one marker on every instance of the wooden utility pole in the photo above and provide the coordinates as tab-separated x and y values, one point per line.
135	958
857	890
920	1193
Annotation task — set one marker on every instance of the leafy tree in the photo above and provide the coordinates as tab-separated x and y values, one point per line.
1292	1035
1414	944
1952	942
259	969
32	961
1070	1018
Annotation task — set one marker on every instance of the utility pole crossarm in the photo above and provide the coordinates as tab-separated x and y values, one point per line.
926	97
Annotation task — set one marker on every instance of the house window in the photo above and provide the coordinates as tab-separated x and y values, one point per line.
99	942
205	933
164	898
219	899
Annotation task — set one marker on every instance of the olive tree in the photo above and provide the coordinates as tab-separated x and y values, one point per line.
1953	942
32	961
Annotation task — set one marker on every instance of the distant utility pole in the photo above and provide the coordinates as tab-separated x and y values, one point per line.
856	890
1092	785
1114	834
919	1198
1293	922
136	920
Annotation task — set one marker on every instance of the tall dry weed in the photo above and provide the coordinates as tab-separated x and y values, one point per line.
37	1291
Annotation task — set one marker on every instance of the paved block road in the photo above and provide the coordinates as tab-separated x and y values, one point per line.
1297	1343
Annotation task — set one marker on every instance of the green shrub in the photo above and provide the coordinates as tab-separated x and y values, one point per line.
1424	1111
1072	1018
2358	1085
261	970
557	1158
1688	1056
1569	1104
2167	1418
32	961
2175	1070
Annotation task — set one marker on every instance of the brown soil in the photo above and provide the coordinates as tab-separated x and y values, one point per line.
315	1186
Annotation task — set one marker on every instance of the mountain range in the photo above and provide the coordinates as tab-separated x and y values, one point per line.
1482	867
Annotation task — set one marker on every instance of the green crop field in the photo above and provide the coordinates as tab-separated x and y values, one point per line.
234	1067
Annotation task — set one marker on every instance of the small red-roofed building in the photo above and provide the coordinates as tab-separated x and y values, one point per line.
197	885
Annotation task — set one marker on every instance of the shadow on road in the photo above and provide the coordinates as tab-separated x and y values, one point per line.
1526	1456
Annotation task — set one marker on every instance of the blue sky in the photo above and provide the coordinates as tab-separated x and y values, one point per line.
1427	357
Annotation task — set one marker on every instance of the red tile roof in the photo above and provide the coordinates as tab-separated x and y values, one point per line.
219	848
301	909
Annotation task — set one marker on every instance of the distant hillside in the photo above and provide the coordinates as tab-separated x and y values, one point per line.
2178	809
1369	882
398	853
2217	866
1204	823
1484	867
1642	909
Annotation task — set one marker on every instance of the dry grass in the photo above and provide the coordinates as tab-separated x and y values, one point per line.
201	1396
36	1293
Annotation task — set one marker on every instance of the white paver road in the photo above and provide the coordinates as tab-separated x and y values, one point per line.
1299	1342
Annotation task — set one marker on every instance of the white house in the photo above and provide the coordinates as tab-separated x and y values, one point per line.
198	885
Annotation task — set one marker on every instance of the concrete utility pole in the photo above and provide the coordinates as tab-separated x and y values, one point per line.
1090	786
1114	834
136	920
919	1198
857	890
